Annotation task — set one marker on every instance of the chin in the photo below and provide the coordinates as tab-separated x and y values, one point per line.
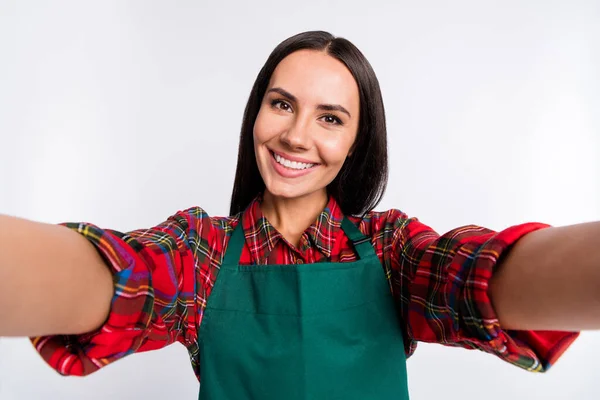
291	192
286	193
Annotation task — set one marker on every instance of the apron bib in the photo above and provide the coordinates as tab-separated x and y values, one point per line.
297	332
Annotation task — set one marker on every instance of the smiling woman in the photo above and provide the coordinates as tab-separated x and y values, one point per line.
303	291
314	101
306	126
302	140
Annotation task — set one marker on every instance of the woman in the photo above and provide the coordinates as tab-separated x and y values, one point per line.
304	291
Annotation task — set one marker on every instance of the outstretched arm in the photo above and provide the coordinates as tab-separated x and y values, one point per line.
550	280
45	271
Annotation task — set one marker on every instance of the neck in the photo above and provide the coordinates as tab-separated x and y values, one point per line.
291	217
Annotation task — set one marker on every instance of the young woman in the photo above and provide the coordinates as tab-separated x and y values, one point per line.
304	291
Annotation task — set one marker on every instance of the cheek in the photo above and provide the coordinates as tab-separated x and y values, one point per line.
266	127
335	150
259	128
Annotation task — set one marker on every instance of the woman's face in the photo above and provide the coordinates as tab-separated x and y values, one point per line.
306	125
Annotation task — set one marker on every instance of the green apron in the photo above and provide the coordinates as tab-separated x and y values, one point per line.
296	332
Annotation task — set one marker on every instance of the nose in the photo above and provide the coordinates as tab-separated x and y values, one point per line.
297	136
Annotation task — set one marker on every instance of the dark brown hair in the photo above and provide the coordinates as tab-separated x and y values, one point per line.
361	182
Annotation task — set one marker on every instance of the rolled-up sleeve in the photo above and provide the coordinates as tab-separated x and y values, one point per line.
154	301
441	283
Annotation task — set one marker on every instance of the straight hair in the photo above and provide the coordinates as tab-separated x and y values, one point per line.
362	180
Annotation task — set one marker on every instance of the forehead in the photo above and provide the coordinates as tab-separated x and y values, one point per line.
315	76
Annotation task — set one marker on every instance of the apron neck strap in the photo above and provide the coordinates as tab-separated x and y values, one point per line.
361	243
235	245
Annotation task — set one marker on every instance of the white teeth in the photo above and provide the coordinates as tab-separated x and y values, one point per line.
291	164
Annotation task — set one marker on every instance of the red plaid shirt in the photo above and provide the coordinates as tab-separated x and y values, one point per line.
164	276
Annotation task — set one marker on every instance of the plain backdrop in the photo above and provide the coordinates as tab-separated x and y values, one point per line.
121	113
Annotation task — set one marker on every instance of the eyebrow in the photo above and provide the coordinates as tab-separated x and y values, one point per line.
325	107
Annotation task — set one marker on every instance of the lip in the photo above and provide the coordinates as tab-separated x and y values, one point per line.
287	172
292	158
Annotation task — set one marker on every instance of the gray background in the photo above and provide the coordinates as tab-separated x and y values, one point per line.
121	113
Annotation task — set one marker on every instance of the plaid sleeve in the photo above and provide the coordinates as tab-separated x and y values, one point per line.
154	302
442	285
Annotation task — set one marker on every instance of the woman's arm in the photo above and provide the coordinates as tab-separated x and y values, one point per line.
550	280
88	296
45	271
441	285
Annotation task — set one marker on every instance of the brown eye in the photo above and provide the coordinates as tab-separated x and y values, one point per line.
281	105
332	119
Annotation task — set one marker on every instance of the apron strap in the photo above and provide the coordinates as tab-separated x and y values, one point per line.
235	245
360	242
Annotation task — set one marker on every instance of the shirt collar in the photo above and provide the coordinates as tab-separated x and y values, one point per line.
262	237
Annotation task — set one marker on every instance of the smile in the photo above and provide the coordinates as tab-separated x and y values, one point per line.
291	169
291	164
